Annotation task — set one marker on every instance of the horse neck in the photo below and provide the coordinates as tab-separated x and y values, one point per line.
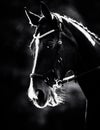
88	57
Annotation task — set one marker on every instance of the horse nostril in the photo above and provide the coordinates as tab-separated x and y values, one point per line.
41	97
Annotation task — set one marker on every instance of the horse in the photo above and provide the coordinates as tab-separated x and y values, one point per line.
66	62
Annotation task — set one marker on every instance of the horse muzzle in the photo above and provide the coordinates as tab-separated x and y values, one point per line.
43	95
39	93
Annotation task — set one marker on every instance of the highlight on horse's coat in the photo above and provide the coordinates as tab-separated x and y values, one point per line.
57	91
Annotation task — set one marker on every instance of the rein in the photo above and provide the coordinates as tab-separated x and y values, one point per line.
74	77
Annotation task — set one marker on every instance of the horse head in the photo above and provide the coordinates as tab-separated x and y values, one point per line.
54	51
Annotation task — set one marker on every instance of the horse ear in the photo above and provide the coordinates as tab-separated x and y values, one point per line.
45	11
33	18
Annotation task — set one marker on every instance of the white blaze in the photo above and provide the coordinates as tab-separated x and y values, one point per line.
31	92
36	52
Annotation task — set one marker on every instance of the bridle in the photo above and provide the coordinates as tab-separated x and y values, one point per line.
52	71
45	76
59	43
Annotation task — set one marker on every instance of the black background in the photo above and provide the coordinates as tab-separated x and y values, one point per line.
16	60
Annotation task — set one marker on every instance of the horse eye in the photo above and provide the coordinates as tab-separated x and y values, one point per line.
50	44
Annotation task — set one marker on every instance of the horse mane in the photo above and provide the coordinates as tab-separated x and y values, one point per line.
93	36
